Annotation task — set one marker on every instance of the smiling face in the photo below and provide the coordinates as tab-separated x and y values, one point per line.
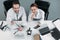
34	9
16	7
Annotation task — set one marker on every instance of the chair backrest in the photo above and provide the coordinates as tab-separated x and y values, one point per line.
43	5
7	5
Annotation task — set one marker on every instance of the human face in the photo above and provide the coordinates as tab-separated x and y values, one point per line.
34	9
16	7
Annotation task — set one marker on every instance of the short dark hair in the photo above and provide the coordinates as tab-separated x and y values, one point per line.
34	4
15	2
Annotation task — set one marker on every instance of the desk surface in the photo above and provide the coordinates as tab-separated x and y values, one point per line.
27	25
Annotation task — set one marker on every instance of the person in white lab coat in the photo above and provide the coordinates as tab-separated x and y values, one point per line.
16	13
35	14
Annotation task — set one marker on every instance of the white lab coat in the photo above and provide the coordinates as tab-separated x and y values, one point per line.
40	15
11	15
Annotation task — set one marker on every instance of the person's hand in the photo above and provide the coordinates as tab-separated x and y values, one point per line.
20	28
32	16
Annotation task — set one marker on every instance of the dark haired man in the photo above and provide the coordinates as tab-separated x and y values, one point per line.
16	13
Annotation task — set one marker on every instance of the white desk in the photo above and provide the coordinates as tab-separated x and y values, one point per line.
28	24
13	37
57	24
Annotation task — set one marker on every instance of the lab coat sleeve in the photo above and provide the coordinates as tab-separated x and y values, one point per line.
24	15
9	16
42	13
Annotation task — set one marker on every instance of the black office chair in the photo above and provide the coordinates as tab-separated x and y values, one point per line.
7	5
44	6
